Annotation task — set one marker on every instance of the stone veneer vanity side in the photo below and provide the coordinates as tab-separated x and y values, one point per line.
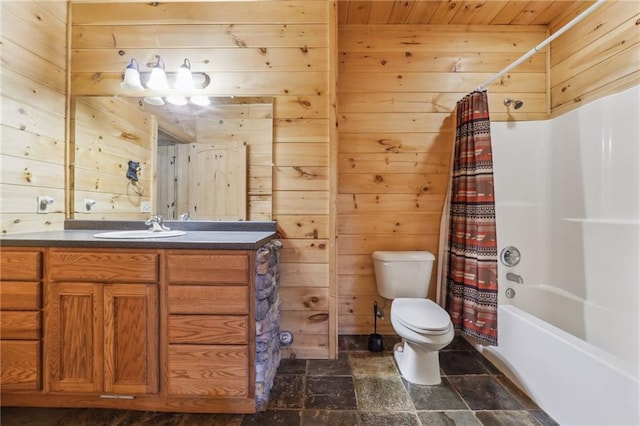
178	326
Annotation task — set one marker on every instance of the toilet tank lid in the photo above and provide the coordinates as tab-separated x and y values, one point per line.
405	256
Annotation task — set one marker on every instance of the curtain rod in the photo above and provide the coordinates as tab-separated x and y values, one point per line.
535	50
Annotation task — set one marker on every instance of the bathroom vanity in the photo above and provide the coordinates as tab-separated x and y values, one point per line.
161	324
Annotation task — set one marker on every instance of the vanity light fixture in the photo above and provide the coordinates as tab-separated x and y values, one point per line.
184	81
159	80
131	78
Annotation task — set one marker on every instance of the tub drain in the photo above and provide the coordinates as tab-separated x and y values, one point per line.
510	293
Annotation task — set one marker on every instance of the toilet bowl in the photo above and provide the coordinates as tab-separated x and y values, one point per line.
424	326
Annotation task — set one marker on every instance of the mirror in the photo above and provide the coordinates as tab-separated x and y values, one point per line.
130	159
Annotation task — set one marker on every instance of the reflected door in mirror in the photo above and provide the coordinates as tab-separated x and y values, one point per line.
217	181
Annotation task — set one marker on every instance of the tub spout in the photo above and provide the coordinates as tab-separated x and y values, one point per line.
514	277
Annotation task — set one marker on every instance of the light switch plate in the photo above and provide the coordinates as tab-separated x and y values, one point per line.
145	207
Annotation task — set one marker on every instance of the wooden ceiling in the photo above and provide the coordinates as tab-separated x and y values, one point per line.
463	12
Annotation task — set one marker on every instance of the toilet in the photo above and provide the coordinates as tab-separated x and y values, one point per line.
423	325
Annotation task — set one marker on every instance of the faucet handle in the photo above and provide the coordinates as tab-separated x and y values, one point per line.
157	223
515	278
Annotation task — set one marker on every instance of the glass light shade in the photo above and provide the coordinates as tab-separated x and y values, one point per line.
157	79
177	100
131	80
154	100
184	79
200	100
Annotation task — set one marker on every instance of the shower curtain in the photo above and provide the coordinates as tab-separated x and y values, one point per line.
472	270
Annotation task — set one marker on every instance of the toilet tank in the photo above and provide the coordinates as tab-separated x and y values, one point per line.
403	273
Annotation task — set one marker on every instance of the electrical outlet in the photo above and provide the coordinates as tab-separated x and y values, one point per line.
145	207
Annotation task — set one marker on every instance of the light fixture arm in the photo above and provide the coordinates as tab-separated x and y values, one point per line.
134	65
159	63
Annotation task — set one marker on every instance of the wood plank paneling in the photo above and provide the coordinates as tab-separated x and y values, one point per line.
198	37
33	98
438	12
36	29
397	88
294	226
259	12
427	61
494	39
597	57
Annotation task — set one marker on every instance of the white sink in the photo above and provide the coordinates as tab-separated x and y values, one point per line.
127	235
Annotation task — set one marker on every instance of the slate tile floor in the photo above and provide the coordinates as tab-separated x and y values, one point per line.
359	388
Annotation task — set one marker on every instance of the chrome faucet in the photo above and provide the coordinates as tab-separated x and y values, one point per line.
515	278
185	216
157	224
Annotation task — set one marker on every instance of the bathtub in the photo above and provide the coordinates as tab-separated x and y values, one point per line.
568	197
575	382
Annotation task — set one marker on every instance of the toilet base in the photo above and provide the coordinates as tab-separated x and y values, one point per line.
417	365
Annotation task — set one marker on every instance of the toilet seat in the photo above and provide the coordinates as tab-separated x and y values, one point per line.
421	315
434	339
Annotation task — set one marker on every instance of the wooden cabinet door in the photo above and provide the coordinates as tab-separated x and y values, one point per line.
73	337
102	338
131	338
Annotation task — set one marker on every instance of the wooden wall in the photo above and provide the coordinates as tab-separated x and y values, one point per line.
274	48
598	57
107	134
397	87
33	96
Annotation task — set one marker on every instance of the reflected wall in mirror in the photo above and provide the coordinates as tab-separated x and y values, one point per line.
213	162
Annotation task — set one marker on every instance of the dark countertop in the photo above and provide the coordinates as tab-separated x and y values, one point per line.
199	235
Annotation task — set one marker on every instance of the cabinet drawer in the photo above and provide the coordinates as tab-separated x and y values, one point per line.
20	325
209	370
111	267
20	365
21	265
213	268
20	295
208	299
208	329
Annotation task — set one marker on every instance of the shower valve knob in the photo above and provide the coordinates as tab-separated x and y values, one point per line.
510	256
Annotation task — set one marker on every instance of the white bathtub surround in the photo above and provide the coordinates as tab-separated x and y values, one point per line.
573	381
568	197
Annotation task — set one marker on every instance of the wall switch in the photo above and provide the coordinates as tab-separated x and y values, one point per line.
145	207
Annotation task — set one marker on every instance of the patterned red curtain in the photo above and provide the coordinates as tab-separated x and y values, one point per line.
472	276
